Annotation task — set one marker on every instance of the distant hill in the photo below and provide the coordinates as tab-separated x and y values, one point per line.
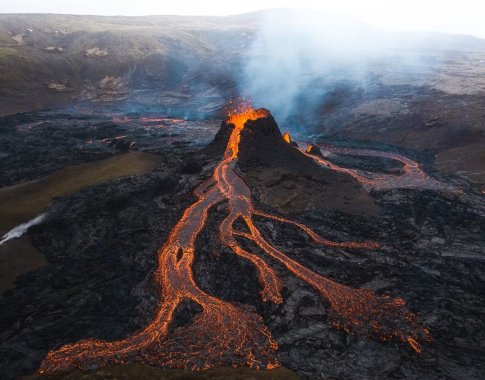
417	90
48	60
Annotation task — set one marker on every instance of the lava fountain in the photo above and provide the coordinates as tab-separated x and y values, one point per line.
224	334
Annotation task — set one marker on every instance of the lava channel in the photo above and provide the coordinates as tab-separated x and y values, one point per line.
224	334
413	177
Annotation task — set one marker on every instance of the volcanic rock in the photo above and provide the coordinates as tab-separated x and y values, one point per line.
100	245
282	177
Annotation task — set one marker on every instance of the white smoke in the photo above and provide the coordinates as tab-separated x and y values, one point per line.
291	47
21	229
300	54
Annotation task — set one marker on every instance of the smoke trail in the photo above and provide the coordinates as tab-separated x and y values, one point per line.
22	229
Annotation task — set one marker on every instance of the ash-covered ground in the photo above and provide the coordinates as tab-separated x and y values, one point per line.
100	247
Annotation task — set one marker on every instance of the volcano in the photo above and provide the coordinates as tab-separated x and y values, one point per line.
149	229
284	178
249	252
223	333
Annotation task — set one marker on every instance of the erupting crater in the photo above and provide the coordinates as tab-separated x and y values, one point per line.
224	334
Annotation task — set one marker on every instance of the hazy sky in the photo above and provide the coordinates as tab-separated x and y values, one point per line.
452	16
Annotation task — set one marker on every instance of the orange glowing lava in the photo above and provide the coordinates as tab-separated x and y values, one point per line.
412	177
224	334
287	137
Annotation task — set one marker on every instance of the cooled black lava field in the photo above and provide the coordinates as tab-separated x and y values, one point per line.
98	246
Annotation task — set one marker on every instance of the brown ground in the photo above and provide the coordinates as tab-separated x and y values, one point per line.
465	161
18	256
22	202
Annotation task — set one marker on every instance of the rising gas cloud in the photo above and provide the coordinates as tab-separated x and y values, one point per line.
298	57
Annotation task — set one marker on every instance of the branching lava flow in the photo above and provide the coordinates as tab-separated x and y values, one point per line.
224	334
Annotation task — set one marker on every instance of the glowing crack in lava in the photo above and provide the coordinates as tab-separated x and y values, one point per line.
224	334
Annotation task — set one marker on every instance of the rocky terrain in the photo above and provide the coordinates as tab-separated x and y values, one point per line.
33	145
418	91
107	126
100	247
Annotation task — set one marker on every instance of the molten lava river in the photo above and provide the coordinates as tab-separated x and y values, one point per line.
224	334
412	177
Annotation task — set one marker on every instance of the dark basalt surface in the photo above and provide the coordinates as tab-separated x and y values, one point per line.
35	144
101	247
285	178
